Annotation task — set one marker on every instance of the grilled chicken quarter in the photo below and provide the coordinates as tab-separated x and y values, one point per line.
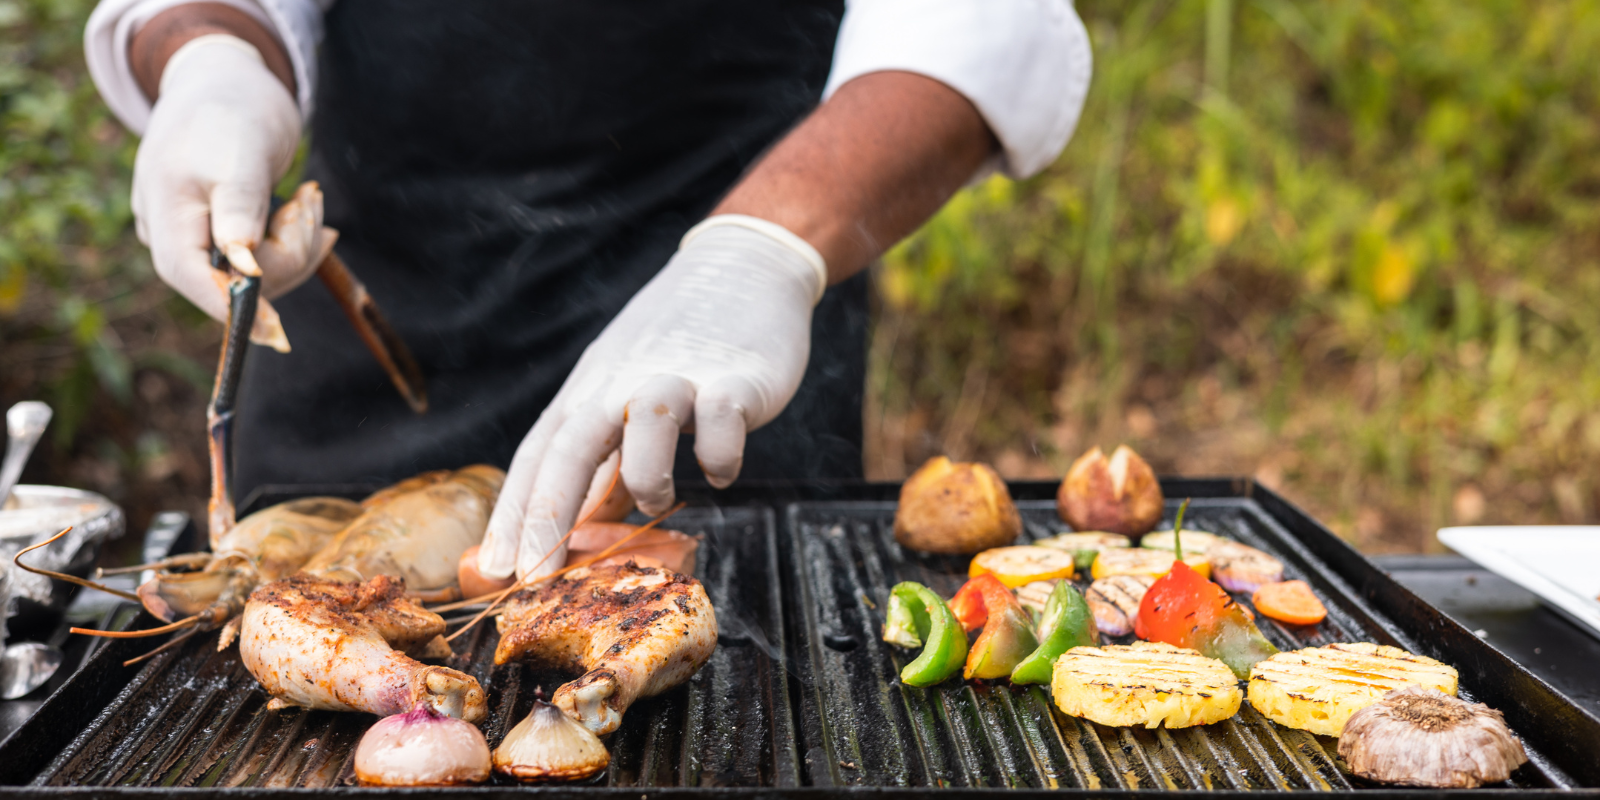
347	646
633	631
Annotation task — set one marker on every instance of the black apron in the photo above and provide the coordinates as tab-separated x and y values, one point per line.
505	176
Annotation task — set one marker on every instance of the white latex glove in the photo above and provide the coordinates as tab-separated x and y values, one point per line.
221	134
716	343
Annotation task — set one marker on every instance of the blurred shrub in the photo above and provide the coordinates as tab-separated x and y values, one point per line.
1372	221
81	314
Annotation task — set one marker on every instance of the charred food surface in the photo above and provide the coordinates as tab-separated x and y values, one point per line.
633	631
350	646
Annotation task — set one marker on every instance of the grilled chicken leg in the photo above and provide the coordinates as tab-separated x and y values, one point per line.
348	647
634	631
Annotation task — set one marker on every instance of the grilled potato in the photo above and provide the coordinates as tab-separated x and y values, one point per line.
1318	688
1116	495
946	507
1145	683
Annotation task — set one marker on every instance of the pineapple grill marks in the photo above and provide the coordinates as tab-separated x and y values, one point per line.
1145	684
1318	689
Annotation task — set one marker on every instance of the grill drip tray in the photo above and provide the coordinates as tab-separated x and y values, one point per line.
802	693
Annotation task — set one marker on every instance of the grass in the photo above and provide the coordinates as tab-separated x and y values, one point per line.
1344	246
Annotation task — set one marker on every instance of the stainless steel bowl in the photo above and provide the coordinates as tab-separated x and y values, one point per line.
34	514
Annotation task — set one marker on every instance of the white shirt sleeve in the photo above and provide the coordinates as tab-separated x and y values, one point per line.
297	23
1024	64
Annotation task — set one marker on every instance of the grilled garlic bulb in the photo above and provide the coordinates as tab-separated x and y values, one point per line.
550	746
1424	737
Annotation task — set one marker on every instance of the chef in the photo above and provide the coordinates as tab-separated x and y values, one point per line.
601	226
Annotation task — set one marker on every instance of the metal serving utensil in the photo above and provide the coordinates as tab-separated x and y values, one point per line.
25	423
25	666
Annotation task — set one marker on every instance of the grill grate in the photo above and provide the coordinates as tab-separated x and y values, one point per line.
802	693
863	727
196	718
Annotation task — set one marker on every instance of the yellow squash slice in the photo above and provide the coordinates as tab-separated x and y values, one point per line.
1193	541
1145	561
1016	566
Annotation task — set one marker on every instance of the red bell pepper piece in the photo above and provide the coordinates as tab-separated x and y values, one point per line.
1184	609
1007	638
973	602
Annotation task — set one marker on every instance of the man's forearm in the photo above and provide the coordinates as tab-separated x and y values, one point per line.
159	38
868	167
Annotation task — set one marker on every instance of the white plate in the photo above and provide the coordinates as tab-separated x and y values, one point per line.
1559	563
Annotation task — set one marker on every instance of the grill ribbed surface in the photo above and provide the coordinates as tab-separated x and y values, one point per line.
195	717
800	691
862	727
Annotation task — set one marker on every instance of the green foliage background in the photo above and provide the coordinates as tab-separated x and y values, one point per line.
1348	246
84	324
1351	244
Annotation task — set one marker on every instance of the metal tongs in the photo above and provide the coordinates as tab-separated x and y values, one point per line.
244	299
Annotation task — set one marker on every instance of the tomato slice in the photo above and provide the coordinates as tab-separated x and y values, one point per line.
1290	601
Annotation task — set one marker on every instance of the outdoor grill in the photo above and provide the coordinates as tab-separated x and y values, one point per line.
801	694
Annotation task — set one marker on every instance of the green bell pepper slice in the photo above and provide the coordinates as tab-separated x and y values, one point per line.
1066	623
917	615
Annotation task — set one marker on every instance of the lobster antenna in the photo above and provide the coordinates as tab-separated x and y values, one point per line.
186	622
62	576
564	570
176	640
472	601
192	560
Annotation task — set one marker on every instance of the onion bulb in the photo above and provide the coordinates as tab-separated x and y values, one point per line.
422	748
1424	737
550	746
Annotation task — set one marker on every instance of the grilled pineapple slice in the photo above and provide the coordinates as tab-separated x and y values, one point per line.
1318	688
1144	683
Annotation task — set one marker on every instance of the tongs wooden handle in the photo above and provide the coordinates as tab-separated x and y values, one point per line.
380	338
371	325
